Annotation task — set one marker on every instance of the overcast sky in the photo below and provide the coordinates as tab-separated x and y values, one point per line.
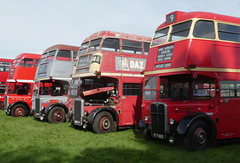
34	25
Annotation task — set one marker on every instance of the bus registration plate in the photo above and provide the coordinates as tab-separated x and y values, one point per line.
159	136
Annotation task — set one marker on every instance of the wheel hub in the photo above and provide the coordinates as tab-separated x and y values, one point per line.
105	123
200	136
19	112
58	115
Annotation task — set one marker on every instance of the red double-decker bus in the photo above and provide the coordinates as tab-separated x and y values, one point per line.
106	86
192	80
4	70
19	88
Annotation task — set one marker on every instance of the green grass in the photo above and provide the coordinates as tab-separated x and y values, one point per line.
26	140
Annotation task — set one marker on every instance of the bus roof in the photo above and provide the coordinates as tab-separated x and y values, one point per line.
117	35
6	60
29	55
181	16
62	47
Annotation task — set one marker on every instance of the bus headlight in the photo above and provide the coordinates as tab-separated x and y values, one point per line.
42	108
146	118
172	121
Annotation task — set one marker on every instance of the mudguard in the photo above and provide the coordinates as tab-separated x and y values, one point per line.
18	102
49	107
186	121
93	114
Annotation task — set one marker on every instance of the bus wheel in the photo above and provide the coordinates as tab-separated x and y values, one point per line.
1	105
57	115
19	110
147	133
197	137
103	123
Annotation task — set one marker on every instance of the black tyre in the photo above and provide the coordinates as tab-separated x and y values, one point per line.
197	137
57	115
147	133
103	123
19	110
1	105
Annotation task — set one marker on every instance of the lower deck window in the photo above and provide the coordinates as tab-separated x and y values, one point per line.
230	88
186	87
150	88
56	88
19	88
132	89
203	89
2	90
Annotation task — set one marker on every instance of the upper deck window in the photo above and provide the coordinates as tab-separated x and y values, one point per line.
160	36
180	31
17	62
229	32
64	55
84	61
74	55
4	68
146	47
94	46
5	63
111	44
51	55
11	72
204	29
26	62
36	62
43	57
131	47
83	49
14	61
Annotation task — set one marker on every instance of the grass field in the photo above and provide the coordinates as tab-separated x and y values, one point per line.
26	140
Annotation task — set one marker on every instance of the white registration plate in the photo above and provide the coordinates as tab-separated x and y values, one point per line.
159	136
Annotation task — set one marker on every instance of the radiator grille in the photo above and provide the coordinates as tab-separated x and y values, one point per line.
78	111
37	105
159	120
6	102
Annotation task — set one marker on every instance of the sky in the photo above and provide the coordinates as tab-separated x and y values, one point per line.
31	26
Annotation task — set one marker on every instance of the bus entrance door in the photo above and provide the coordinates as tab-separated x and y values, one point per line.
229	117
